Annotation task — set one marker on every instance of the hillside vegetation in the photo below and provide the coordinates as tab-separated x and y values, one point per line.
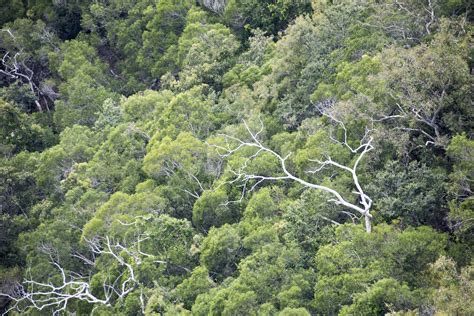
236	157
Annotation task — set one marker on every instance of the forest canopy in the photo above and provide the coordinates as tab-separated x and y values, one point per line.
236	157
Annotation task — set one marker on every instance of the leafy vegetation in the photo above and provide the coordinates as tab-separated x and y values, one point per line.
236	157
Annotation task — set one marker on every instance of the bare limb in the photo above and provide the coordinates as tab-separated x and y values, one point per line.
418	114
241	174
74	286
13	66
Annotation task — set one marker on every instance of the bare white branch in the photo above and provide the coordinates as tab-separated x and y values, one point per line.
56	296
241	174
15	67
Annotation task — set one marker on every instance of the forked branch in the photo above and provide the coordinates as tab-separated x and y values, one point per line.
56	296
235	144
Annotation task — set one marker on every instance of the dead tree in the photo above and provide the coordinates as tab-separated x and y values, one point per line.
44	295
14	66
235	144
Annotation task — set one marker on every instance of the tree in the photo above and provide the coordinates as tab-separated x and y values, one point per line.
185	169
428	86
11	10
161	34
56	163
205	51
361	263
56	295
270	16
25	47
85	84
386	295
461	150
188	111
138	107
453	288
199	282
460	197
19	192
235	144
271	269
140	38
20	132
409	22
117	162
412	194
220	251
211	209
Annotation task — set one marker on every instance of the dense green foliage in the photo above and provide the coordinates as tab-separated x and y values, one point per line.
118	197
